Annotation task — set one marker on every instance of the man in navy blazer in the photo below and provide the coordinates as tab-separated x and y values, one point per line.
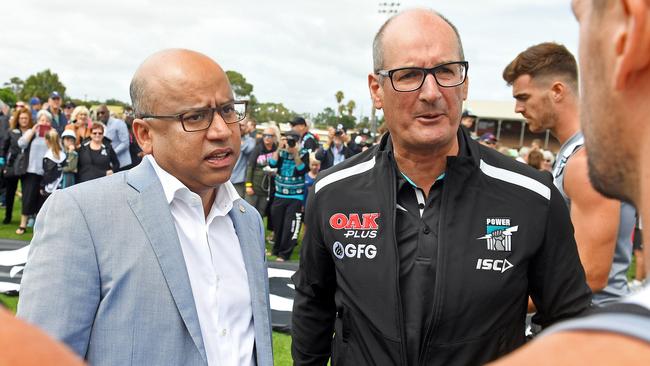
162	264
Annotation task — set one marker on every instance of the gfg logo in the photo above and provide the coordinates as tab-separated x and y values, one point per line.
499	265
354	250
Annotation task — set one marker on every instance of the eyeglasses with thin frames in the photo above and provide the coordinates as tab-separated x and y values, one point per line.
408	79
200	119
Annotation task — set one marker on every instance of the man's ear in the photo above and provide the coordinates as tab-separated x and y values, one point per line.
376	91
558	90
632	41
142	132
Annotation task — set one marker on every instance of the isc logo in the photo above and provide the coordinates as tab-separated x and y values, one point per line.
499	265
354	251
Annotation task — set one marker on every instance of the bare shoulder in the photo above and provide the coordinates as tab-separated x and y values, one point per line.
580	348
24	344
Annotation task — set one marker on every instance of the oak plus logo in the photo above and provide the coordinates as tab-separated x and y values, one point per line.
358	226
354	250
498	234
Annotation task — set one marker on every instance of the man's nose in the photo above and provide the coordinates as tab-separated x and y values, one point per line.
430	90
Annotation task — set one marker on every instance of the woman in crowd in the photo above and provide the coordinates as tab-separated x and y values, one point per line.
21	122
259	177
53	164
96	159
80	123
33	142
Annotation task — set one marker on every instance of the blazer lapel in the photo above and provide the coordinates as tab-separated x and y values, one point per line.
252	250
152	210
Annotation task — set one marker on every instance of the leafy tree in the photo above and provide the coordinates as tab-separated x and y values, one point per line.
339	97
41	85
7	95
239	85
116	102
350	107
277	112
15	84
325	118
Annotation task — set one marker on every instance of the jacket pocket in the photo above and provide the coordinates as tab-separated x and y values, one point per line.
357	342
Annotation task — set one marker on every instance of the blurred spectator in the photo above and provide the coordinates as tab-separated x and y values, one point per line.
68	107
292	164
134	149
35	147
310	177
523	154
637	247
259	175
549	159
363	141
71	158
251	124
21	123
467	120
96	159
336	153
535	159
488	139
238	176
80	124
58	117
536	144
307	139
35	105
53	163
118	133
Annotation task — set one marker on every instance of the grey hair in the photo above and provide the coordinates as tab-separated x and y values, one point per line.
378	47
137	89
45	113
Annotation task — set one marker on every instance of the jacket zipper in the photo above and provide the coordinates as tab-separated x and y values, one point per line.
402	332
435	317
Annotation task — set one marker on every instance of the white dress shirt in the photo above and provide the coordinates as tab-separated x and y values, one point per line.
216	270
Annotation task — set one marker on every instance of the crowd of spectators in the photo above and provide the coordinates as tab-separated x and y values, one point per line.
49	146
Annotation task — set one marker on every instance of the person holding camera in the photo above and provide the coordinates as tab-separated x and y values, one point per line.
337	151
292	163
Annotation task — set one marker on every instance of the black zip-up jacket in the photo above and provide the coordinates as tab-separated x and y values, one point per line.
504	234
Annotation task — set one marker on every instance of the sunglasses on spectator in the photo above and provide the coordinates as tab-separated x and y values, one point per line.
268	135
96	133
100	112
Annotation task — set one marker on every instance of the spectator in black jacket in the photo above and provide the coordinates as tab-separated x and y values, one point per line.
96	158
10	150
336	153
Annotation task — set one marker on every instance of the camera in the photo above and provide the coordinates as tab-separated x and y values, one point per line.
291	141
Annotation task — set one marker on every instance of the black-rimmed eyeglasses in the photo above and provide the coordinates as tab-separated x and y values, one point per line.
407	79
201	119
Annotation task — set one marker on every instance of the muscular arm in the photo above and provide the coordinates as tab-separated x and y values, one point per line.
595	220
579	348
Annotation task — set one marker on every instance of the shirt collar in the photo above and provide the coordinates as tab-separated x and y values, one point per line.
174	188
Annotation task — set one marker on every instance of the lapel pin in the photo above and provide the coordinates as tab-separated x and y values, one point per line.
242	208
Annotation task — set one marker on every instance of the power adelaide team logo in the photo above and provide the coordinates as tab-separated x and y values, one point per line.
498	234
361	226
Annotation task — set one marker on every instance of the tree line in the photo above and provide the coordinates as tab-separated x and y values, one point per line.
41	84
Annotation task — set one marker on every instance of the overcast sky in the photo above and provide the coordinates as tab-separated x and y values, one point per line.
297	52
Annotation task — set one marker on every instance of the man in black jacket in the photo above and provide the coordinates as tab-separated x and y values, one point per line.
423	250
336	152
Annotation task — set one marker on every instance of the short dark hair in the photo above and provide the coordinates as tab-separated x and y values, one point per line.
378	46
544	59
